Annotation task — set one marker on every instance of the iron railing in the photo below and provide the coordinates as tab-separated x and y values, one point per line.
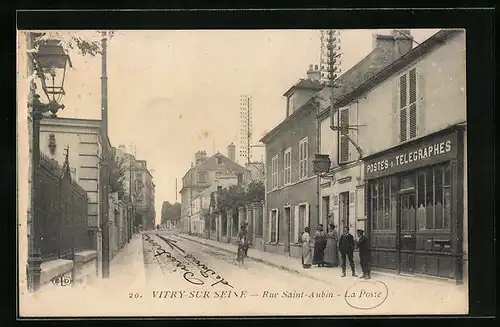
61	227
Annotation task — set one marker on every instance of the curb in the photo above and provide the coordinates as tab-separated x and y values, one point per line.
421	279
294	271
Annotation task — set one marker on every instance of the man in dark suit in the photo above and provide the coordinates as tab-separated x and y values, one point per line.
364	254
346	248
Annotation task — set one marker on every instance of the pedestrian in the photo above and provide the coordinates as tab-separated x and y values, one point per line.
346	247
319	246
242	243
331	257
364	254
306	249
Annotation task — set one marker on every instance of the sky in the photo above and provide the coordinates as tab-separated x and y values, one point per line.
172	93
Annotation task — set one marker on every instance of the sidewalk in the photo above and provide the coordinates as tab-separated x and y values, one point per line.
293	265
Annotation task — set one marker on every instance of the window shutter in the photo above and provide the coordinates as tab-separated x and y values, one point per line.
413	120
353	153
402	91
277	225
412	77
421	103
344	142
300	159
352	200
402	125
269	225
306	158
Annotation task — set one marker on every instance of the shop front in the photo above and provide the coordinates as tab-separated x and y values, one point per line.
414	204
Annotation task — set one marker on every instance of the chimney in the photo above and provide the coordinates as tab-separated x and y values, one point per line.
231	152
199	157
313	73
398	42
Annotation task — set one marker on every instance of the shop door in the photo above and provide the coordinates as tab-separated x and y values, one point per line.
407	235
344	212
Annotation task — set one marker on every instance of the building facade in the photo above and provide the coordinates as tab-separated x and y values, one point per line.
216	171
342	197
82	138
415	172
290	181
144	203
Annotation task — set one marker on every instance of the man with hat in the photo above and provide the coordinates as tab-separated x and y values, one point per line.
364	254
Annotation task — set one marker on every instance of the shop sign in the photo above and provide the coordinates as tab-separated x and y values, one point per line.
411	156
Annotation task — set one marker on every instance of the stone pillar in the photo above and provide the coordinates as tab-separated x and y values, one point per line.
251	224
229	219
256	217
241	216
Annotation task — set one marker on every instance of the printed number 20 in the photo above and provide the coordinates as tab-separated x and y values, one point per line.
134	295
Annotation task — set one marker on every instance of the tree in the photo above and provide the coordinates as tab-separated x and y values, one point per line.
231	198
117	176
170	212
83	42
255	191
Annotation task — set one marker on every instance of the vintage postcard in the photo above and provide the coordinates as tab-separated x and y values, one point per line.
242	172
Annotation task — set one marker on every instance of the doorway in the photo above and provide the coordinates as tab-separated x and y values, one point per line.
407	234
288	229
325	211
344	211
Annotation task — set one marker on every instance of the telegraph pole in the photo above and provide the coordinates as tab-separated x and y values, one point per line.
105	161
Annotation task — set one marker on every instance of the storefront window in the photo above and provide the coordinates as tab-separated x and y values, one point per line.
433	198
381	204
421	200
387	208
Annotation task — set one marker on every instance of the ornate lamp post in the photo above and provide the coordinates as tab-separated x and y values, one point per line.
50	63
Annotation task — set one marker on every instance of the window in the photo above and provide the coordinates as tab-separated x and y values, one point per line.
300	221
219	160
343	139
287	160
408	105
274	172
383	203
202	177
273	228
303	158
218	175
434	198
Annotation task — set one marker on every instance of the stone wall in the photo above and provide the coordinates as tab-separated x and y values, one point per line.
83	269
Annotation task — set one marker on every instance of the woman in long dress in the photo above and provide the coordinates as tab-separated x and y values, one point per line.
331	251
306	249
319	246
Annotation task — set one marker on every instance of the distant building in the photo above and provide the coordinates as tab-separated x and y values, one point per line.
218	171
145	213
257	171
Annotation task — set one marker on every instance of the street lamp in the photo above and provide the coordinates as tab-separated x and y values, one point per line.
50	63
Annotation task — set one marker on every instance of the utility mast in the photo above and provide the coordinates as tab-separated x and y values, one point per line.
245	128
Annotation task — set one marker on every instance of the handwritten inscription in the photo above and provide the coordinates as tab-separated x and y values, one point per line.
366	295
184	261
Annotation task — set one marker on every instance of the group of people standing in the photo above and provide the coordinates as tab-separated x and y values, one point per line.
327	245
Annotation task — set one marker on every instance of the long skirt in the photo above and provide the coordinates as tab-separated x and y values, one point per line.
331	257
319	251
306	255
